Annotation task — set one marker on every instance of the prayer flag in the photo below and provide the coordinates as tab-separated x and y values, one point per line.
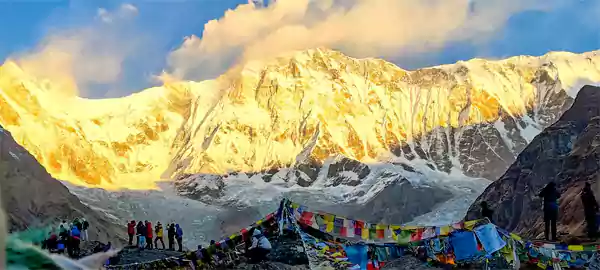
403	237
320	220
381	231
416	235
329	227
428	233
365	232
328	217
306	218
373	231
358	226
469	225
576	247
349	227
445	230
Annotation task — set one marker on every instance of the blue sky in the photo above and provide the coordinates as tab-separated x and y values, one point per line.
575	26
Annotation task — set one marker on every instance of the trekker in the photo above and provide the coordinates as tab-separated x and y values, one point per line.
550	196
179	237
149	234
171	235
77	223
141	234
486	212
159	236
63	227
590	210
51	243
260	247
131	231
75	239
84	229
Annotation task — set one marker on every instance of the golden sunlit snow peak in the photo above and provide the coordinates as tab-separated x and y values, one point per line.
307	105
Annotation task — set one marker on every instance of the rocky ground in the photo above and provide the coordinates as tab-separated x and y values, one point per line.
131	255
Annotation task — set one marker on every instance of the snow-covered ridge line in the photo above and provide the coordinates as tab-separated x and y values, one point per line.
295	109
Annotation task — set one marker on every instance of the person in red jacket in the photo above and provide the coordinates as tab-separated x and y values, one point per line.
131	231
149	235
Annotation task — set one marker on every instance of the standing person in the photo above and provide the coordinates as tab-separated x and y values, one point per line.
63	227
75	240
131	231
486	212
550	196
590	210
159	236
141	234
77	223
84	229
179	235
171	235
149	234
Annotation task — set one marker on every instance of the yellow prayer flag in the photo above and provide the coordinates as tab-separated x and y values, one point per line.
516	237
365	233
445	230
233	236
259	222
329	227
576	247
328	217
469	225
381	227
542	265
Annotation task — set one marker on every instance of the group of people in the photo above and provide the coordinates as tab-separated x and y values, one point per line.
145	232
255	243
550	196
69	237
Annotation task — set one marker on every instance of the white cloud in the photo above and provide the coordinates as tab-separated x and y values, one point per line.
84	56
361	28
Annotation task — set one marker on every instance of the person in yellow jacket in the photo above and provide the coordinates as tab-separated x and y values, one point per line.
158	229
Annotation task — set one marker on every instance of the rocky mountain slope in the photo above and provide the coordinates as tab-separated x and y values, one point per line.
567	153
31	197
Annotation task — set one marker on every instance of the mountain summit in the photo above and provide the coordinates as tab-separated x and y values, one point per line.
297	111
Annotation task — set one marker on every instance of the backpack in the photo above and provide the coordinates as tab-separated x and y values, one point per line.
75	232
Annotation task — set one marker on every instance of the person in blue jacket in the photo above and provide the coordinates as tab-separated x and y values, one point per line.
75	240
179	237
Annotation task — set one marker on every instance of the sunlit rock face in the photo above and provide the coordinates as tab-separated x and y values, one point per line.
297	111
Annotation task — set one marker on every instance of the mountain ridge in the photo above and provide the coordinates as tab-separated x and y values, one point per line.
32	198
292	111
565	153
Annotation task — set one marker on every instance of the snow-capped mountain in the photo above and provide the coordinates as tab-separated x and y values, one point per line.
310	124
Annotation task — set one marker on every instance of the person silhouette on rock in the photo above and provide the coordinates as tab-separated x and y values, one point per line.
590	210
486	212
550	195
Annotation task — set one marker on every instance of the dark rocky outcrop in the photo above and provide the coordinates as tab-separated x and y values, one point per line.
345	171
399	202
31	197
567	153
